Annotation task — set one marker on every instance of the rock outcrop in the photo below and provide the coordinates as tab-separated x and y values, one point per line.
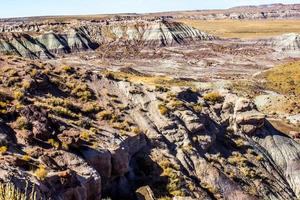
285	43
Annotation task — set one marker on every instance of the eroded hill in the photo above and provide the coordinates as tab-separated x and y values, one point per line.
48	40
67	132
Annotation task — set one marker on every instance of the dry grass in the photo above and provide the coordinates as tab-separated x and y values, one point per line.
161	82
8	191
284	79
246	29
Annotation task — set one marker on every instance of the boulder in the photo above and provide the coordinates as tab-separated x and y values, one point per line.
89	180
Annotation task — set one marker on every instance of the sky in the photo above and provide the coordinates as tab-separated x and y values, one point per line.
21	8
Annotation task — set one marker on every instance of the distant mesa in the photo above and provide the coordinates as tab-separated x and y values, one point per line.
49	40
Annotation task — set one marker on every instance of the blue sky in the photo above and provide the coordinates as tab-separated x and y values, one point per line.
17	8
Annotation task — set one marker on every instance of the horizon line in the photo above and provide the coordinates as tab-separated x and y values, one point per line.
143	13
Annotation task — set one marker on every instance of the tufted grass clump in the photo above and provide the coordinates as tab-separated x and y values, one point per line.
176	104
41	172
175	181
68	69
91	108
18	94
161	89
105	115
53	143
85	135
26	158
22	123
213	97
237	159
65	112
26	84
3	150
164	110
55	101
3	107
136	130
197	108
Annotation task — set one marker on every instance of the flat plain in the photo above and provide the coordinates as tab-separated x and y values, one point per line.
245	29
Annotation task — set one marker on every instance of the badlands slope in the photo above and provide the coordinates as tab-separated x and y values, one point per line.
146	109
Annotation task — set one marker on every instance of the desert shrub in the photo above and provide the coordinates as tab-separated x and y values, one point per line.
135	91
239	142
65	146
171	95
64	112
3	107
41	172
159	88
211	188
136	130
91	108
3	150
247	172
176	104
111	76
26	157
55	101
122	126
85	135
12	81
77	89
18	94
259	158
188	148
164	110
105	115
213	97
197	108
84	122
237	159
53	143
82	91
33	72
23	123
68	69
26	84
175	181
